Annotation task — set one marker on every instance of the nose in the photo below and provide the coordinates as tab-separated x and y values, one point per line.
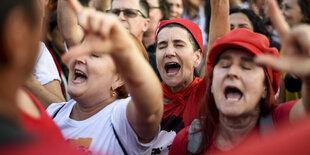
81	60
234	71
121	16
170	51
173	8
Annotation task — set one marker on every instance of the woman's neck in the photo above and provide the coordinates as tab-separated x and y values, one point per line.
81	111
182	86
232	130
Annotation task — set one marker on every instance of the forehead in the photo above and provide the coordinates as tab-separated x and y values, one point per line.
174	1
173	33
238	18
125	4
153	2
236	53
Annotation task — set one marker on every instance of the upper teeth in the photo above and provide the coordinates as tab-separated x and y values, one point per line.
79	72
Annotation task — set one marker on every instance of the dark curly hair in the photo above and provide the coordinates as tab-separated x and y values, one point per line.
305	10
256	21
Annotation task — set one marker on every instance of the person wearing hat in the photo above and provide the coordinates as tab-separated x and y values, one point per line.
239	101
179	49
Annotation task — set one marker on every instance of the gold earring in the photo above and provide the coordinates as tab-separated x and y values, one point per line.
113	93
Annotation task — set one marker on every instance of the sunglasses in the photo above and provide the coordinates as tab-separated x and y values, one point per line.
130	13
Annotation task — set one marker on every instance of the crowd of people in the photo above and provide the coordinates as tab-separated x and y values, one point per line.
155	77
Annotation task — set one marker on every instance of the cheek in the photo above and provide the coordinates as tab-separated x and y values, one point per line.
255	86
159	57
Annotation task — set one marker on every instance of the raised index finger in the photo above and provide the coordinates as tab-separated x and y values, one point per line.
277	19
75	5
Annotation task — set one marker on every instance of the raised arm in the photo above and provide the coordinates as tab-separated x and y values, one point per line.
219	22
106	33
68	25
296	59
219	26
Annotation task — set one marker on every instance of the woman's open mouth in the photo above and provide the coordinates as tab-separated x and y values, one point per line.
172	68
79	77
233	93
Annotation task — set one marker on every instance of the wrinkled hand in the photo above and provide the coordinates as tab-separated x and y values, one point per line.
104	33
295	46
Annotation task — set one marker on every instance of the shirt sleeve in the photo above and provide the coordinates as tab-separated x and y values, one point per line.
179	145
282	112
45	69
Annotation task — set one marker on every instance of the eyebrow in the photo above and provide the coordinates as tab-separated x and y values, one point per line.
225	57
178	41
247	59
162	42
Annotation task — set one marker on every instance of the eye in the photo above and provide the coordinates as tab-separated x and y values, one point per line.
93	55
224	63
247	65
162	46
130	13
232	27
179	45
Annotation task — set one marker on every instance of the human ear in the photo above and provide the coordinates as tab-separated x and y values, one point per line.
118	82
146	24
197	57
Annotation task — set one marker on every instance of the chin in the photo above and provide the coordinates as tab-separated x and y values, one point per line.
231	112
171	82
74	92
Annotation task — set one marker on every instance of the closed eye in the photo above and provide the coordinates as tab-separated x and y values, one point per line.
224	63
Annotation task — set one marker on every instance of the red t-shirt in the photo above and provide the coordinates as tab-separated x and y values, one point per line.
280	115
42	128
184	107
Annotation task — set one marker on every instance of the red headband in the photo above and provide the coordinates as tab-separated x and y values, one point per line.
189	25
244	39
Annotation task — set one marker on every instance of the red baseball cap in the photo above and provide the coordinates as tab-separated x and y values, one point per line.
252	42
189	25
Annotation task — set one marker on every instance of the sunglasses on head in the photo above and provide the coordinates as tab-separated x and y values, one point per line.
131	13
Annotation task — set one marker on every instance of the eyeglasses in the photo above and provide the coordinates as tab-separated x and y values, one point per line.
154	7
130	13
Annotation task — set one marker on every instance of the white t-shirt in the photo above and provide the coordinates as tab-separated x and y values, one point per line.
96	133
45	69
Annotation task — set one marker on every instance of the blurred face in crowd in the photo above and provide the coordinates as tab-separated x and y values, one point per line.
20	36
155	15
292	12
238	83
176	58
91	77
176	8
134	20
240	20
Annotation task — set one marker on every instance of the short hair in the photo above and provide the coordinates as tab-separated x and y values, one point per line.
143	7
304	7
6	7
190	36
164	8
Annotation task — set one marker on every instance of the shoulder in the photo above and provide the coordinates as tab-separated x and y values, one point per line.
281	113
53	108
179	144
